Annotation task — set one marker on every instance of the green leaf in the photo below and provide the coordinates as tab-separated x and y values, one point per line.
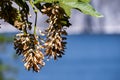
85	8
66	8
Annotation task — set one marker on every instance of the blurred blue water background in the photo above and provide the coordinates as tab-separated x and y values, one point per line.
87	57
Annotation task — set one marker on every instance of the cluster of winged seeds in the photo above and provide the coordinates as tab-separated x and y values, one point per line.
54	45
56	32
29	47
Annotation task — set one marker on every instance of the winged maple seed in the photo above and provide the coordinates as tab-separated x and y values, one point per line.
56	32
28	46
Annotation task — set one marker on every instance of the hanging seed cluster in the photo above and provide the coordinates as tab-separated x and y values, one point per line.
33	48
29	47
7	12
21	21
56	32
17	18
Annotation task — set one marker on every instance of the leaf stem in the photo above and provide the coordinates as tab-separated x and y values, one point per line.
35	23
35	10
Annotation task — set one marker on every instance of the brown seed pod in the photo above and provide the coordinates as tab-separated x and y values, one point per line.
28	46
55	44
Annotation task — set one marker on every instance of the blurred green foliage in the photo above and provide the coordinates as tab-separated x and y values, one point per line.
4	38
